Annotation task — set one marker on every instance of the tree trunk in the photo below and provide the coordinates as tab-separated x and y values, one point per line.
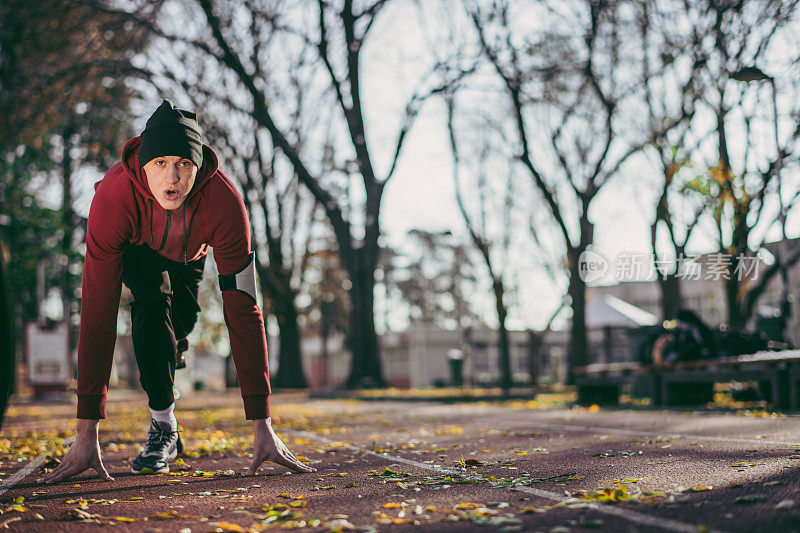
506	379
670	283
736	318
7	352
325	329
290	361
670	295
578	343
365	369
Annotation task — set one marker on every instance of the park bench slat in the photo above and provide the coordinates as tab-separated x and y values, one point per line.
692	381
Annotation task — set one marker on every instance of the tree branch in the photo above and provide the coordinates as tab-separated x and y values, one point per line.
412	111
513	86
262	115
322	47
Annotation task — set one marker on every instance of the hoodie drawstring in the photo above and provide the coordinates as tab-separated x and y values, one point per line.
185	245
152	240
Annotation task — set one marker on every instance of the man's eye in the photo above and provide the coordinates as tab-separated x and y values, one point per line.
160	162
185	163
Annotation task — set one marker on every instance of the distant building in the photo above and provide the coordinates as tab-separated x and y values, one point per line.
419	357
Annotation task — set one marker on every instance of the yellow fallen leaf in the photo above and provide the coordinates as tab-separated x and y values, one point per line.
17	508
227	526
392	505
124	519
466	505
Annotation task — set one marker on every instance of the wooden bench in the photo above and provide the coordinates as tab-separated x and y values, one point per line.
692	382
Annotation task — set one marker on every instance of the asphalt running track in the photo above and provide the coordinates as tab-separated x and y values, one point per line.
532	452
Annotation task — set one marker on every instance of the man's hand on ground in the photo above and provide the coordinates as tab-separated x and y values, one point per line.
268	447
82	455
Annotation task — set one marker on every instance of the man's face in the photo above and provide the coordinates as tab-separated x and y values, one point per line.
170	179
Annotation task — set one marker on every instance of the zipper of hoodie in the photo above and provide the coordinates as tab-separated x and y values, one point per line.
166	231
185	238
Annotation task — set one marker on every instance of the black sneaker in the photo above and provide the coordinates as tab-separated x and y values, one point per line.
163	446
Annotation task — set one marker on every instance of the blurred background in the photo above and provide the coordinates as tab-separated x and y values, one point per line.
442	192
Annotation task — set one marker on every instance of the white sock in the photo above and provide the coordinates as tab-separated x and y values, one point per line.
167	415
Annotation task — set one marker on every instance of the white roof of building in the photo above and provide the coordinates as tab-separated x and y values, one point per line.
609	310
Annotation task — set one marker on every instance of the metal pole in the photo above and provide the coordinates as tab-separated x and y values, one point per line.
786	297
778	156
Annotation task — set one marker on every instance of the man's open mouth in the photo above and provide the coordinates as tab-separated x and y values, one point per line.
171	194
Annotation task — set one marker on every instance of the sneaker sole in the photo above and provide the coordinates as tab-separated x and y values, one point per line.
148	470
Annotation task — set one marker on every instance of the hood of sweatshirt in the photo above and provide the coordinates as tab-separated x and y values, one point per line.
135	172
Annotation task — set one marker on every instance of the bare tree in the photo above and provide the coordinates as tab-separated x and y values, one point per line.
357	235
282	215
576	88
494	251
743	180
671	48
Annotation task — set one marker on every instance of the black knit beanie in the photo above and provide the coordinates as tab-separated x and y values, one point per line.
171	131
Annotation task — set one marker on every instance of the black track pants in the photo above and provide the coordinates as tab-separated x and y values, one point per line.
164	309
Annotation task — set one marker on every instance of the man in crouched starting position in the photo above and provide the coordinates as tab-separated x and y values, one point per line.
153	217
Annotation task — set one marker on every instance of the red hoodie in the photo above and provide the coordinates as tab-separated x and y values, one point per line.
124	212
